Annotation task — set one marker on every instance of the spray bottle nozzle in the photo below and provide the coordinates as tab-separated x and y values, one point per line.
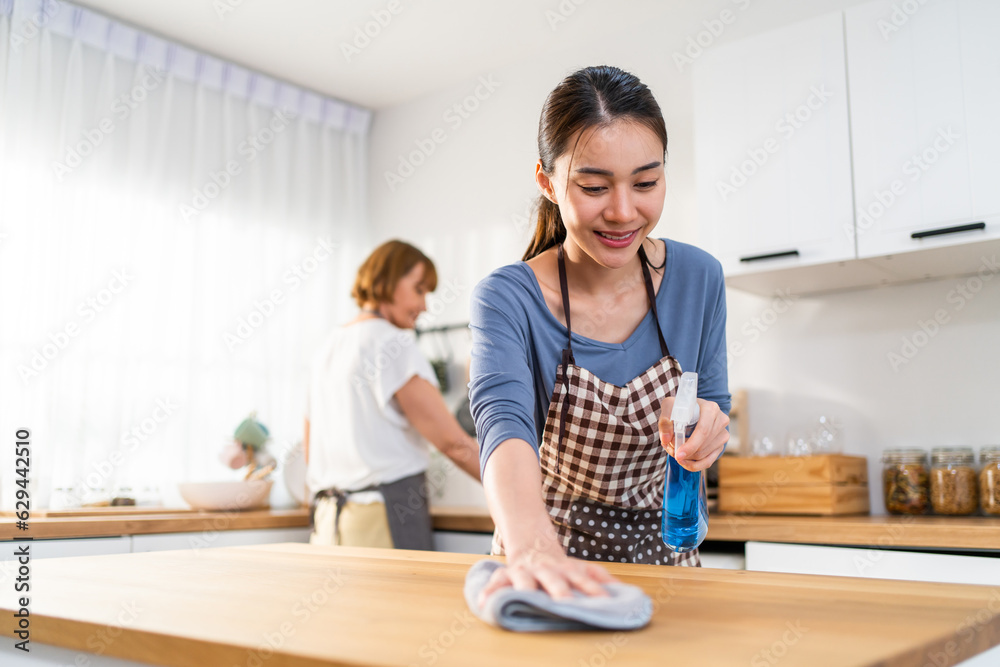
685	413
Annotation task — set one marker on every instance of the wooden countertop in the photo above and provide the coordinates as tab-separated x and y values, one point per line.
136	523
932	532
313	605
883	531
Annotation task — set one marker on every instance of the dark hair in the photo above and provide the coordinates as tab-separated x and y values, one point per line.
593	96
380	273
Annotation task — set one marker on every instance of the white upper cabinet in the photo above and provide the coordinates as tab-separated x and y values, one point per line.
925	122
773	160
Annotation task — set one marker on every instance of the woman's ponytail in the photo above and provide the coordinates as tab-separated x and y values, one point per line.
549	229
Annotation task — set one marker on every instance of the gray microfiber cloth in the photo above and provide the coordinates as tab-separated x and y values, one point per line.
626	608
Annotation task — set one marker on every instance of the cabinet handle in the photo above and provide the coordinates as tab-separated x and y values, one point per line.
972	226
773	255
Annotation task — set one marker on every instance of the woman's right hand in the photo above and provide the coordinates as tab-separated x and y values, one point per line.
548	568
535	557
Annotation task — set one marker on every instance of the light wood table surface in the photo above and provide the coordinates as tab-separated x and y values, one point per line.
927	532
296	604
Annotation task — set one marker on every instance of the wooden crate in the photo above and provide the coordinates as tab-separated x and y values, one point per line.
827	484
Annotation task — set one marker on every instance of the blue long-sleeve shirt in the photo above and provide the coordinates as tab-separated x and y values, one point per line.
517	344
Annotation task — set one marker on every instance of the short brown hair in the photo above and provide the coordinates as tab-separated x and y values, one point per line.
380	273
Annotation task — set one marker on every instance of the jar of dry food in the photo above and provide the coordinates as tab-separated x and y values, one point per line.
954	484
905	481
989	480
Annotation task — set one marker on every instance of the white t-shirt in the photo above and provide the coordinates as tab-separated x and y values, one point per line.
358	435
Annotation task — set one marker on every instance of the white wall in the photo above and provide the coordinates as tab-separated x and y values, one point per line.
466	206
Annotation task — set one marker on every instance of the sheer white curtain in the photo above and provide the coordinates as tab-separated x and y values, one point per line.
177	235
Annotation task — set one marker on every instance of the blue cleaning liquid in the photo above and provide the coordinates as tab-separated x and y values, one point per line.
685	507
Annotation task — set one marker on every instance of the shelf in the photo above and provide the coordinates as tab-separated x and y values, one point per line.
937	263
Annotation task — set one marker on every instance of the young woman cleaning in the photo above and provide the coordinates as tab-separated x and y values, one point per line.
578	349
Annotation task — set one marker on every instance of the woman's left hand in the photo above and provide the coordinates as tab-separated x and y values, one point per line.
705	443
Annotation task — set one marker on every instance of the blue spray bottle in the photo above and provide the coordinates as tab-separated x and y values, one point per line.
685	499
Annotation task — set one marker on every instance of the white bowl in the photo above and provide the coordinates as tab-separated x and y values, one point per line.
239	495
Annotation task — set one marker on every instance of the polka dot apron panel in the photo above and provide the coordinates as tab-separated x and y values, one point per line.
603	465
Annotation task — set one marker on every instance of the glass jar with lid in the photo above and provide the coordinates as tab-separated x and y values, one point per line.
905	481
954	485
989	480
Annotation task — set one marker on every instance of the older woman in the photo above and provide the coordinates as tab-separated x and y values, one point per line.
373	399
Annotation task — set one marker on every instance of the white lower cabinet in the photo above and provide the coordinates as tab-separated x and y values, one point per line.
872	563
102	546
463	543
722	561
86	546
880	564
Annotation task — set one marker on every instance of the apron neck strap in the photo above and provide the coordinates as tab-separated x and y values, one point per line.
652	294
647	279
564	288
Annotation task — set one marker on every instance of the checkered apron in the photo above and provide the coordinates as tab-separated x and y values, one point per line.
603	465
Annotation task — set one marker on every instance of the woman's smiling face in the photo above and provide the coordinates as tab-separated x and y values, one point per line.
609	191
408	300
